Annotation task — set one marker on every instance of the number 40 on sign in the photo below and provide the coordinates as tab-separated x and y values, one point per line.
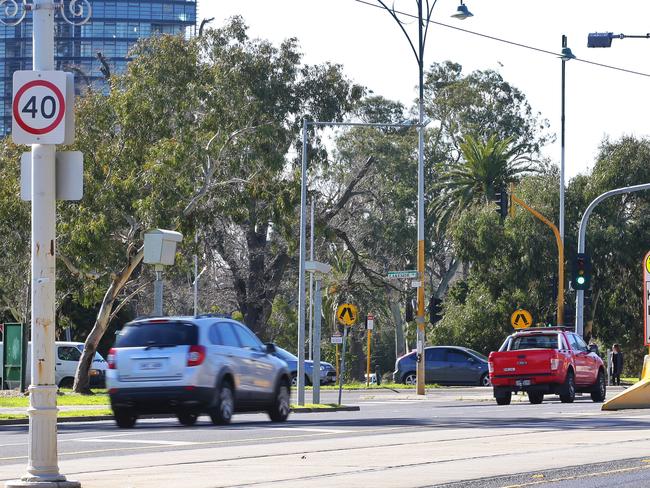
42	107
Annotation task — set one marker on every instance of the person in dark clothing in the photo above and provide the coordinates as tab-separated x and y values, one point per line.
617	364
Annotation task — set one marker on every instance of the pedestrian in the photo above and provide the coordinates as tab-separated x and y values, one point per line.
617	364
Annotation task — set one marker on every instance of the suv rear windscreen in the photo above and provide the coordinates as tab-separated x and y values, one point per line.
537	341
167	334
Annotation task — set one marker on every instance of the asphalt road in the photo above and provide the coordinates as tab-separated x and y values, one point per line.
455	437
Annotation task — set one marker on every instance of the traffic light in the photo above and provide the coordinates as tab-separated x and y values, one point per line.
409	312
581	272
501	197
435	310
600	39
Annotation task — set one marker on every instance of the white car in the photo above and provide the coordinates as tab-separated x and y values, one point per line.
66	359
193	365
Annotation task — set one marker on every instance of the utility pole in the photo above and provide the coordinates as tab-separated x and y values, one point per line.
42	465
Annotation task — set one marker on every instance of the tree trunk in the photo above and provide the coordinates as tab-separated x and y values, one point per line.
82	377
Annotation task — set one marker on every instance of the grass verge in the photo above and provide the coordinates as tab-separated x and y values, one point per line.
357	385
66	399
67	413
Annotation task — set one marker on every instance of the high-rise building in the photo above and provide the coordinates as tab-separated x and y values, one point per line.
114	27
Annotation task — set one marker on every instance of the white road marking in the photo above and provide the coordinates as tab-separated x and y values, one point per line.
136	441
310	429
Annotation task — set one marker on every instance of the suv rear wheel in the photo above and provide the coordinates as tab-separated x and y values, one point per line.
281	407
224	405
569	389
125	418
187	418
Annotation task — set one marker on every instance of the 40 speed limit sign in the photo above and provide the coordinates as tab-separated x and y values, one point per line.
39	107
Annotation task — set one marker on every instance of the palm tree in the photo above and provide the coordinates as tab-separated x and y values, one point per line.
484	169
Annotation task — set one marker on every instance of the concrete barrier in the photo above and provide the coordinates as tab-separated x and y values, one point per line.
636	396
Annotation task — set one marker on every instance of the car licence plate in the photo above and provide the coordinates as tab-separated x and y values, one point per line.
523	382
150	365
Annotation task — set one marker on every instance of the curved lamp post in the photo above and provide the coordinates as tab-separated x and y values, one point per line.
418	51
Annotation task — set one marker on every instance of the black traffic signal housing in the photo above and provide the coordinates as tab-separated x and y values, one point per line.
501	197
581	272
409	317
435	310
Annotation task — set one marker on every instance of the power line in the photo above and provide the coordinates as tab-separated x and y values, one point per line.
505	41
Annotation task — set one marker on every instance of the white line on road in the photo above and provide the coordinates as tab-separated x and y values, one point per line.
136	441
310	429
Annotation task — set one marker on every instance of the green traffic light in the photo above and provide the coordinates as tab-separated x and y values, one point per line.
580	280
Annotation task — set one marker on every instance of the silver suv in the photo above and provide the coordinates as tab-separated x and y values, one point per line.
194	365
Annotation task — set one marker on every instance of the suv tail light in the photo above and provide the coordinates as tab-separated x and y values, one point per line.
195	355
555	364
490	367
111	359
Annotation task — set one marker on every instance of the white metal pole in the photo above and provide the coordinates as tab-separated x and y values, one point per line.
196	278
316	345
301	274
311	283
42	465
158	292
582	231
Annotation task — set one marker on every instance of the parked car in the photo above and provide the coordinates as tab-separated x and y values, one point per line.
327	371
66	359
444	365
194	365
545	361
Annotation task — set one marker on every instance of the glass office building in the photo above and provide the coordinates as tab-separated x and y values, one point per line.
112	30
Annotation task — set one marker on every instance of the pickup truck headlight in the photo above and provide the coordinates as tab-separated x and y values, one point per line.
555	364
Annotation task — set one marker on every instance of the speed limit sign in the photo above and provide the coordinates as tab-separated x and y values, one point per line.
39	107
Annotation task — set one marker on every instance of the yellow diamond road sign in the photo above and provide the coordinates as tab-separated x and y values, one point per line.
347	314
521	319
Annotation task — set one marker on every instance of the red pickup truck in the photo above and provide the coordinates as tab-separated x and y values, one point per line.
546	361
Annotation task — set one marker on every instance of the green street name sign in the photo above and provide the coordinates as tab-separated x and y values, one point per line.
396	275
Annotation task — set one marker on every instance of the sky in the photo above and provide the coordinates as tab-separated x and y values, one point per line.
368	43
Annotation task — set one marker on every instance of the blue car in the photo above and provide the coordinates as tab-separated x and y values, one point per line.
327	371
445	365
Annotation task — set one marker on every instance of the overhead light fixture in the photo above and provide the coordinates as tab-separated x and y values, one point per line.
567	54
462	12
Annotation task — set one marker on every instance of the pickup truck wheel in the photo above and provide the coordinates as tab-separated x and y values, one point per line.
535	397
504	399
600	388
569	389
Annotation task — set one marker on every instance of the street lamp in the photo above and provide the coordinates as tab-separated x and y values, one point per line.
461	13
604	39
566	55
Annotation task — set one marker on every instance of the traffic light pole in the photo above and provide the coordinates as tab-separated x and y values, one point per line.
560	252
580	294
